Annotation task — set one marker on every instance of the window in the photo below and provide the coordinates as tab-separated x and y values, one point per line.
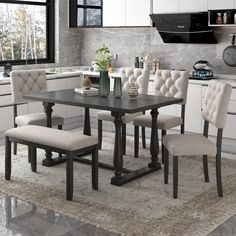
26	31
85	13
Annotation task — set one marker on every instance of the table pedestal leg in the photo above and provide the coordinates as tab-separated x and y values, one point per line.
154	148
118	153
48	161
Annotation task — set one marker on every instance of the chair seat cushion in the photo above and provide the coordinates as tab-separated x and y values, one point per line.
106	115
50	137
38	119
164	121
188	145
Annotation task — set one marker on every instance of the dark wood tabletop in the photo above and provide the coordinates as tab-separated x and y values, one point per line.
124	104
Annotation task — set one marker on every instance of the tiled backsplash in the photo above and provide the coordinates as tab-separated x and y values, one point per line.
131	42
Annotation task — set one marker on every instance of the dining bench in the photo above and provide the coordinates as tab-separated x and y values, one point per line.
50	139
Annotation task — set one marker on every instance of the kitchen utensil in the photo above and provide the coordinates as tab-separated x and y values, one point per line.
229	54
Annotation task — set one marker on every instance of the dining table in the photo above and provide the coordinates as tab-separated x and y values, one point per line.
118	108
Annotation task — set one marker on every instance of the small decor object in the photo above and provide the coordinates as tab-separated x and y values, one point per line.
225	18
103	59
87	82
219	18
7	70
104	84
133	91
117	87
87	92
136	63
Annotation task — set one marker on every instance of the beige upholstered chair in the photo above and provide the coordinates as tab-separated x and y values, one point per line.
170	84
128	75
214	111
30	82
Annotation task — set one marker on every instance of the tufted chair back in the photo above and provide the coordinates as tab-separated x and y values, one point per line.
138	75
27	82
216	103
171	83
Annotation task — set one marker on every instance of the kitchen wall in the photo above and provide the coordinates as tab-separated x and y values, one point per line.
131	42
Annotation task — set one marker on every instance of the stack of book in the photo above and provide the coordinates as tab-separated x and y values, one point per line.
86	92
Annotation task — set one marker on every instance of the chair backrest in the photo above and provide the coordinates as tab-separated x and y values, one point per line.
25	82
171	83
137	75
216	103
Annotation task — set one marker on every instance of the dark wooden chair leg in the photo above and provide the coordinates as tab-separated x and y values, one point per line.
7	158
34	159
29	154
205	168
163	133
136	141
69	176
100	134
124	138
60	128
144	137
218	175
166	165
175	176
95	168
14	148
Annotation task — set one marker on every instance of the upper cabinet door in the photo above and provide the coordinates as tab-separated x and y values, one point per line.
137	12
193	5
220	4
113	13
165	6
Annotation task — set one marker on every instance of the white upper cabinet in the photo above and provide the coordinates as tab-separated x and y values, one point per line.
221	4
137	12
192	5
165	6
114	12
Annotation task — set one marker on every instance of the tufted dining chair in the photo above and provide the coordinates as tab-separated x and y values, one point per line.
168	83
214	111
128	75
25	82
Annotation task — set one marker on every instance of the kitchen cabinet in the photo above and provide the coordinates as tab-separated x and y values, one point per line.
137	13
114	13
165	6
221	4
192	5
120	13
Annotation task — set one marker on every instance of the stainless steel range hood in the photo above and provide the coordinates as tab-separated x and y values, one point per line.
184	28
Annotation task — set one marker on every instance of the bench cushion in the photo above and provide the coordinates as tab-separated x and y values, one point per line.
38	119
61	139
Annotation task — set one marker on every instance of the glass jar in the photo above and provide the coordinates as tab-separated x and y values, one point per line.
219	18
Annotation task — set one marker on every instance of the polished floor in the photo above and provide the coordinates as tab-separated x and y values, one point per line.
228	228
20	218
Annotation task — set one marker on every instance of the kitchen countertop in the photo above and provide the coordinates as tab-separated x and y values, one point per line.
67	72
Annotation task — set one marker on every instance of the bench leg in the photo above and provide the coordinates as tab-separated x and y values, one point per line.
175	176
14	148
33	155
95	168
7	158
29	154
166	164
69	176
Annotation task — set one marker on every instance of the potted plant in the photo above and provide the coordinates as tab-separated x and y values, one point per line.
103	59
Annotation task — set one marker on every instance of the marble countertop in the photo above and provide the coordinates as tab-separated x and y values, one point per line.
67	72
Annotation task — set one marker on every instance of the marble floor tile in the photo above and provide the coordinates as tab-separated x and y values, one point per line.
19	218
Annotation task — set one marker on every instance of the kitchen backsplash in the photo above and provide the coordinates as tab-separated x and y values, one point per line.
131	42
